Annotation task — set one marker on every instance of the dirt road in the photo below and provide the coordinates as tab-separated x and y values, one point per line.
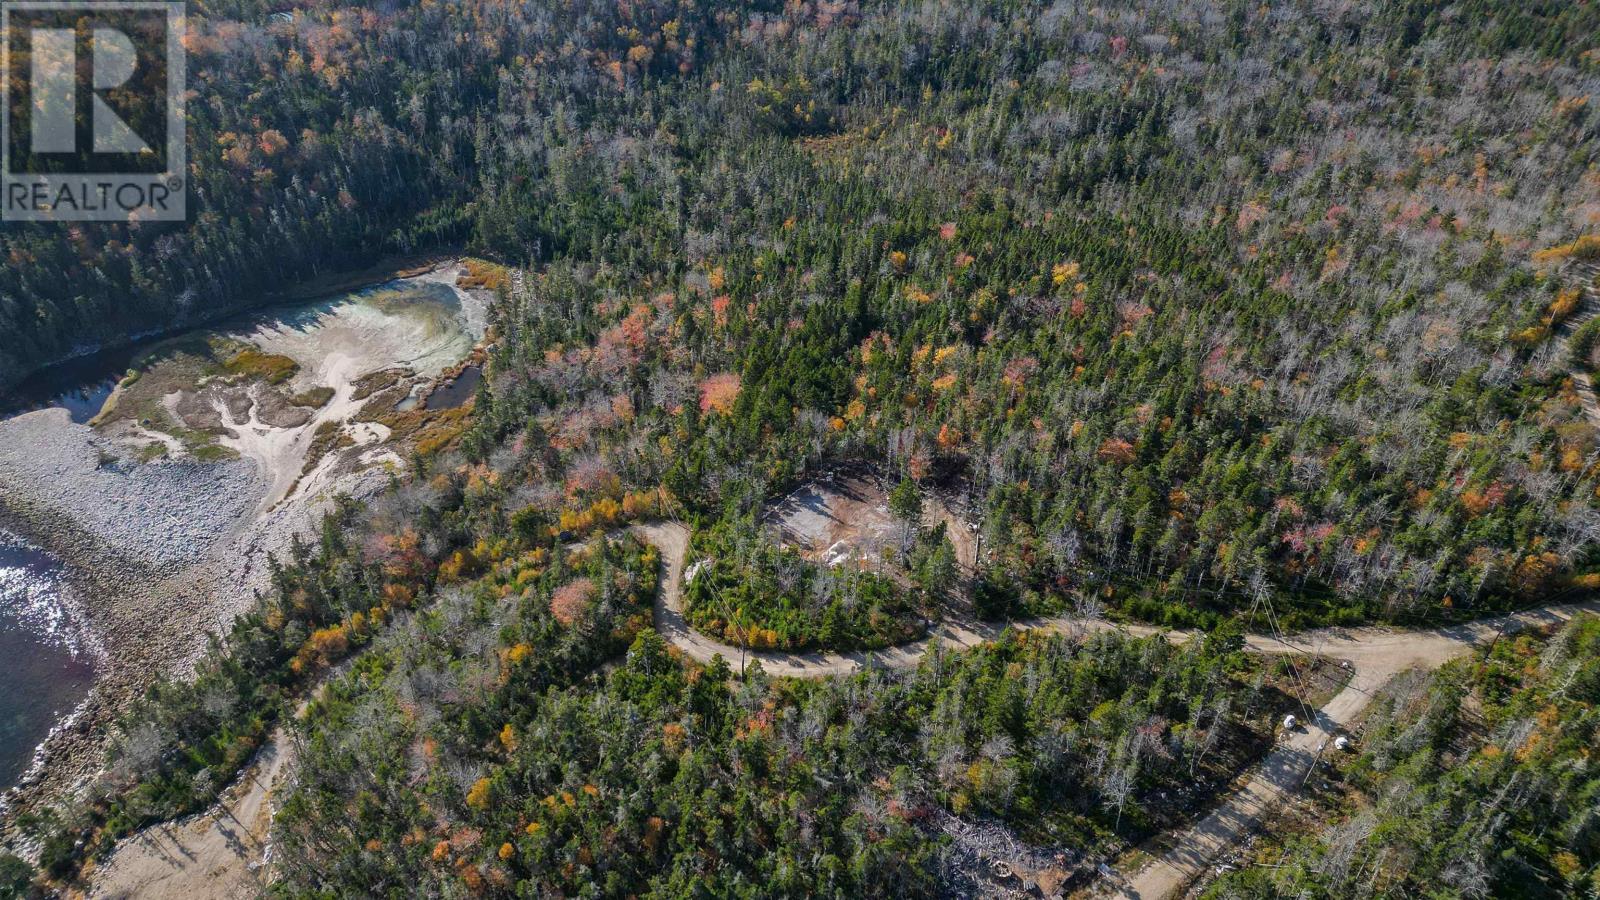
672	539
1582	384
215	854
1369	649
1375	655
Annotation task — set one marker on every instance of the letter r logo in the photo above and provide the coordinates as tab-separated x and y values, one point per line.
92	96
55	84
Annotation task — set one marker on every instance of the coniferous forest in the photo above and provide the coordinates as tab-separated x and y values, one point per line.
1220	316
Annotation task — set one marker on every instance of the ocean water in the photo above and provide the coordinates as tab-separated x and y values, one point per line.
46	667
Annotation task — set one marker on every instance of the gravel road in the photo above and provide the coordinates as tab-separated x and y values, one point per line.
1375	655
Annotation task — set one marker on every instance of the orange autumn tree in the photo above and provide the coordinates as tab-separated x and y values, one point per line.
718	393
571	599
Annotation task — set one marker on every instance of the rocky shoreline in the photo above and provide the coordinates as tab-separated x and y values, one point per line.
158	553
155	557
128	646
